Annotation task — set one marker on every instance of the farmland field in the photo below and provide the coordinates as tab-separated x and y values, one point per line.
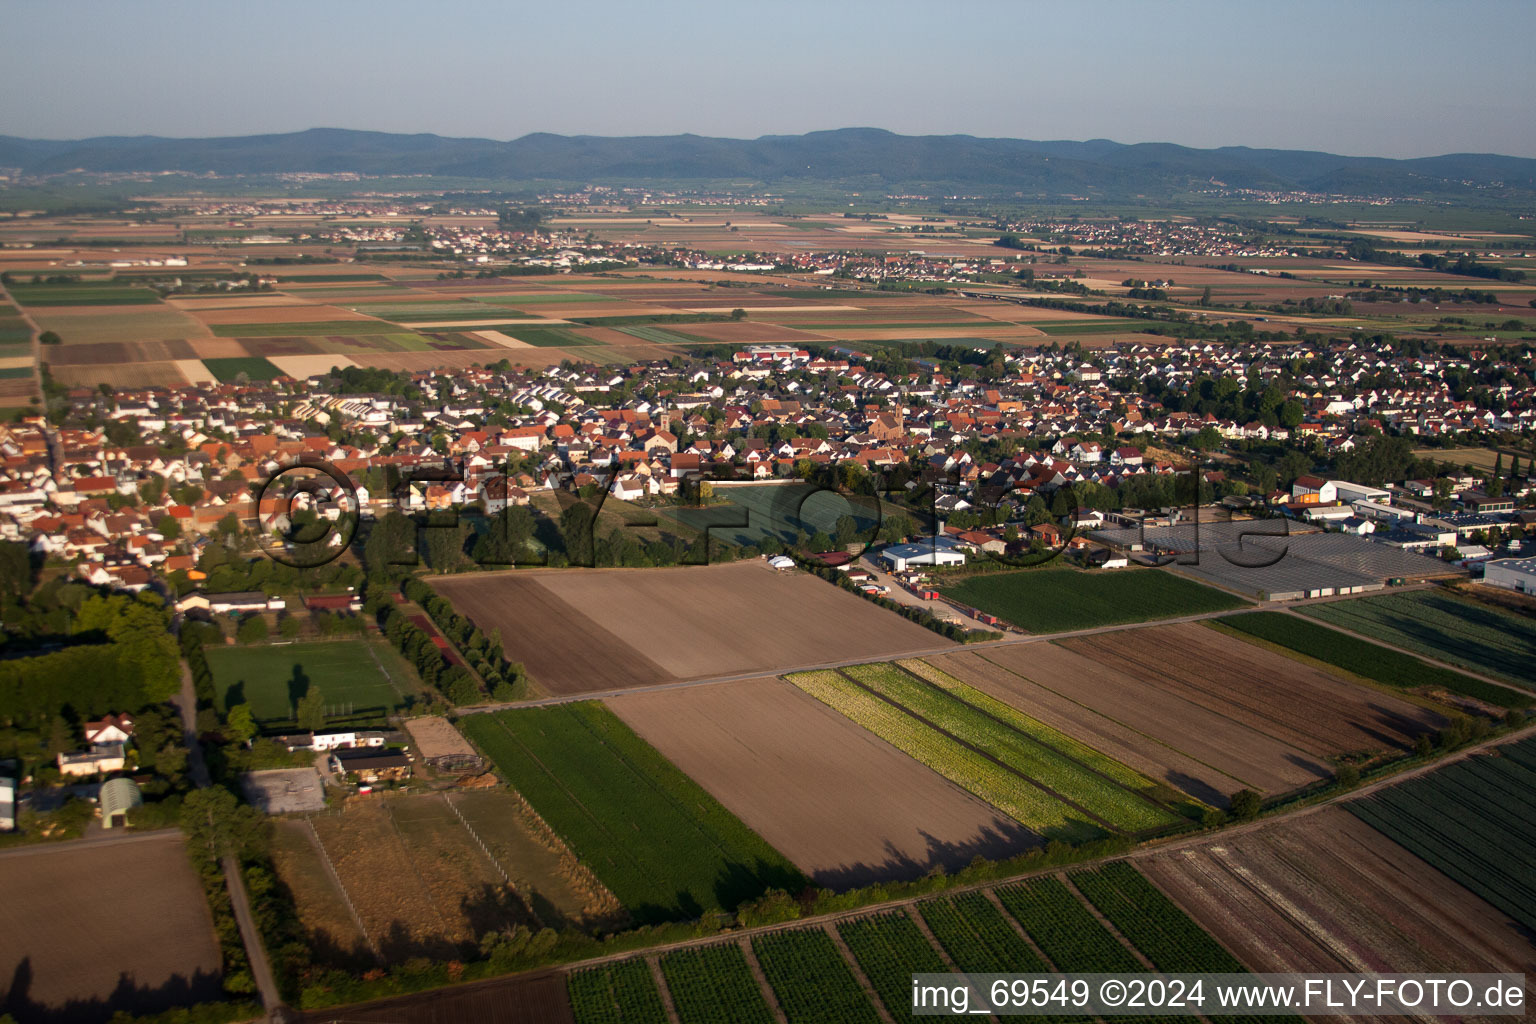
990	732
1306	708
1473	821
810	978
620	993
1328	893
53	941
1191	748
1362	658
254	368
419	882
714	985
847	808
296	328
889	949
1056	600
329	927
659	842
581	630
1458	632
968	768
362	680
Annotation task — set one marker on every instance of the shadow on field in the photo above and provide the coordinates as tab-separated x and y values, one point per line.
988	844
127	997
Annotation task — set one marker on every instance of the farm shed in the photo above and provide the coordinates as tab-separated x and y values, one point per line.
118	797
369	766
900	557
1518	574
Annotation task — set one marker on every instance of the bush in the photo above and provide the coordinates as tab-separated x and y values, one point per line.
771	907
1246	805
253	629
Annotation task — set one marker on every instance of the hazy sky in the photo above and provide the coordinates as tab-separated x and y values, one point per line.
1387	78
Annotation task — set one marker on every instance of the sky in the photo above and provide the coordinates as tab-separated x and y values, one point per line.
1395	78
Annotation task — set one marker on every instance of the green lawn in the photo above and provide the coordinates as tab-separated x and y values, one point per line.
660	843
254	367
1056	600
1458	632
361	679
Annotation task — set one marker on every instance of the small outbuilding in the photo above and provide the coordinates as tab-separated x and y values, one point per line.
118	797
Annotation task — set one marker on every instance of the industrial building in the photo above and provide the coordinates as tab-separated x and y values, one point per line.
1517	574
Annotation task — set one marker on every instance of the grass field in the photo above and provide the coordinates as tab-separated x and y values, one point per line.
1056	600
784	511
366	675
661	844
254	367
547	337
1458	632
1394	668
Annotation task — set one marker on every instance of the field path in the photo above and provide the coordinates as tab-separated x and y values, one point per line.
240	901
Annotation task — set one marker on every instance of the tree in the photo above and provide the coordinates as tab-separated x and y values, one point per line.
1205	296
218	825
241	723
16	577
1290	413
49	338
738	313
168	528
310	714
253	629
1246	804
288	627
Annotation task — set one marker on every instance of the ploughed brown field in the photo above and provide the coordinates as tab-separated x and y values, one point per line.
117	926
1309	708
1207	713
846	807
594	630
1326	892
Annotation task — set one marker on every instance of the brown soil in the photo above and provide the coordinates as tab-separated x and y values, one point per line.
846	807
111	922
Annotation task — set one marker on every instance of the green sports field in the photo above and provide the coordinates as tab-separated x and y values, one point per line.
361	679
1056	600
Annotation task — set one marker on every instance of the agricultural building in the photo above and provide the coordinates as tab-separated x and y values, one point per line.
900	557
1517	574
118	797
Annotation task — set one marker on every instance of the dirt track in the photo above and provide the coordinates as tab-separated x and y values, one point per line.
846	807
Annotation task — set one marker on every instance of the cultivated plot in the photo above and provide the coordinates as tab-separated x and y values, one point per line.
1057	600
592	630
847	808
1328	893
55	948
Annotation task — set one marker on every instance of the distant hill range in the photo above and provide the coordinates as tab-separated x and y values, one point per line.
855	155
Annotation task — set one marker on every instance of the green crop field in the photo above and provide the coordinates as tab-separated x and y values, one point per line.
975	772
621	993
1100	796
1363	658
82	295
713	985
662	844
663	336
255	368
366	676
811	980
890	949
1086	326
1474	820
548	337
294	330
1057	600
977	937
1447	628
